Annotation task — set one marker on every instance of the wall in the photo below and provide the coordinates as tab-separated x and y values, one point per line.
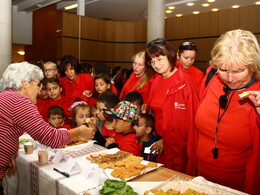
100	41
114	43
22	27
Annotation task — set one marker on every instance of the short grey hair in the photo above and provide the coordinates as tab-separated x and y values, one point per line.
17	72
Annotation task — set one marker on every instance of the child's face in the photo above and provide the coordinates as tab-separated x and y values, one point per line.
81	115
122	126
101	86
56	120
100	114
50	71
140	127
53	90
43	93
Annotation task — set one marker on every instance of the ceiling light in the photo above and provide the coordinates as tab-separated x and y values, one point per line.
171	7
178	15
235	6
210	1
196	12
257	2
214	9
71	6
22	53
168	11
205	4
189	4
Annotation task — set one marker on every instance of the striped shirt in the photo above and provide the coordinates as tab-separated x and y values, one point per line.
19	115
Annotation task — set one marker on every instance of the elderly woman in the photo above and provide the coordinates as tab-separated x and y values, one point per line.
228	149
140	79
19	87
173	99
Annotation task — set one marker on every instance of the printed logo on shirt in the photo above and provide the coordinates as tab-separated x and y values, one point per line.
179	106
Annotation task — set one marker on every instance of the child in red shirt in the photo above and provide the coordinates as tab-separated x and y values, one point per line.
106	123
54	91
102	86
56	117
126	115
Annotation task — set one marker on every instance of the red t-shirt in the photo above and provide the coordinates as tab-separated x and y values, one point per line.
75	89
128	143
234	141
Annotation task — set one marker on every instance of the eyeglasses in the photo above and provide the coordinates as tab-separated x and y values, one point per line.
156	42
160	60
187	43
39	84
49	70
223	99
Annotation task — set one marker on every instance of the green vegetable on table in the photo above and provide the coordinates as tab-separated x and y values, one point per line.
116	187
23	141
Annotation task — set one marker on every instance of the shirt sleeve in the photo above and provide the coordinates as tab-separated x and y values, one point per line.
27	118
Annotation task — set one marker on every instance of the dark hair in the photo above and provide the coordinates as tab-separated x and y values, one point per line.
100	68
74	112
86	67
56	110
187	46
160	47
107	80
149	120
73	61
53	80
134	96
43	82
109	99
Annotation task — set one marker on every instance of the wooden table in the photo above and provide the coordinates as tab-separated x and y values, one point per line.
160	174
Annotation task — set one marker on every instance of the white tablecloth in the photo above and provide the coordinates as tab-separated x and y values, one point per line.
33	178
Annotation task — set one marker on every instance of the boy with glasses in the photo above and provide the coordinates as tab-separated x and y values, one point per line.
50	70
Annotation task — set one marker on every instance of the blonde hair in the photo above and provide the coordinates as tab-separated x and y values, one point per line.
50	63
149	72
237	47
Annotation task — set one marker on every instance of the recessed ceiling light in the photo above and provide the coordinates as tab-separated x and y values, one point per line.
168	11
205	4
235	6
214	9
196	12
211	1
171	7
257	2
22	53
178	15
189	4
71	6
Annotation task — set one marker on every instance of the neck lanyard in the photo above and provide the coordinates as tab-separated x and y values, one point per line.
215	149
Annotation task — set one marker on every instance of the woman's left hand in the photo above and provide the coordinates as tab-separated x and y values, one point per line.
255	98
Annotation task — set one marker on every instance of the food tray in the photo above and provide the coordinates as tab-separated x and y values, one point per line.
108	171
78	147
198	184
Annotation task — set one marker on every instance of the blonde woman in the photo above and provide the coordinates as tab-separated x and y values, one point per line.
140	79
228	149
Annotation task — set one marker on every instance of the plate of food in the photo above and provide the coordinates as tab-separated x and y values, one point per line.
118	164
198	185
77	144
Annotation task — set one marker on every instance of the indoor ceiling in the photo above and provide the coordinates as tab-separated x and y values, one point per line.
131	10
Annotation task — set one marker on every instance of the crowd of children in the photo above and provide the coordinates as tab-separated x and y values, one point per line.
68	101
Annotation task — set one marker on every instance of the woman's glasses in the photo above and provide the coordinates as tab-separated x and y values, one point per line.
39	84
156	42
